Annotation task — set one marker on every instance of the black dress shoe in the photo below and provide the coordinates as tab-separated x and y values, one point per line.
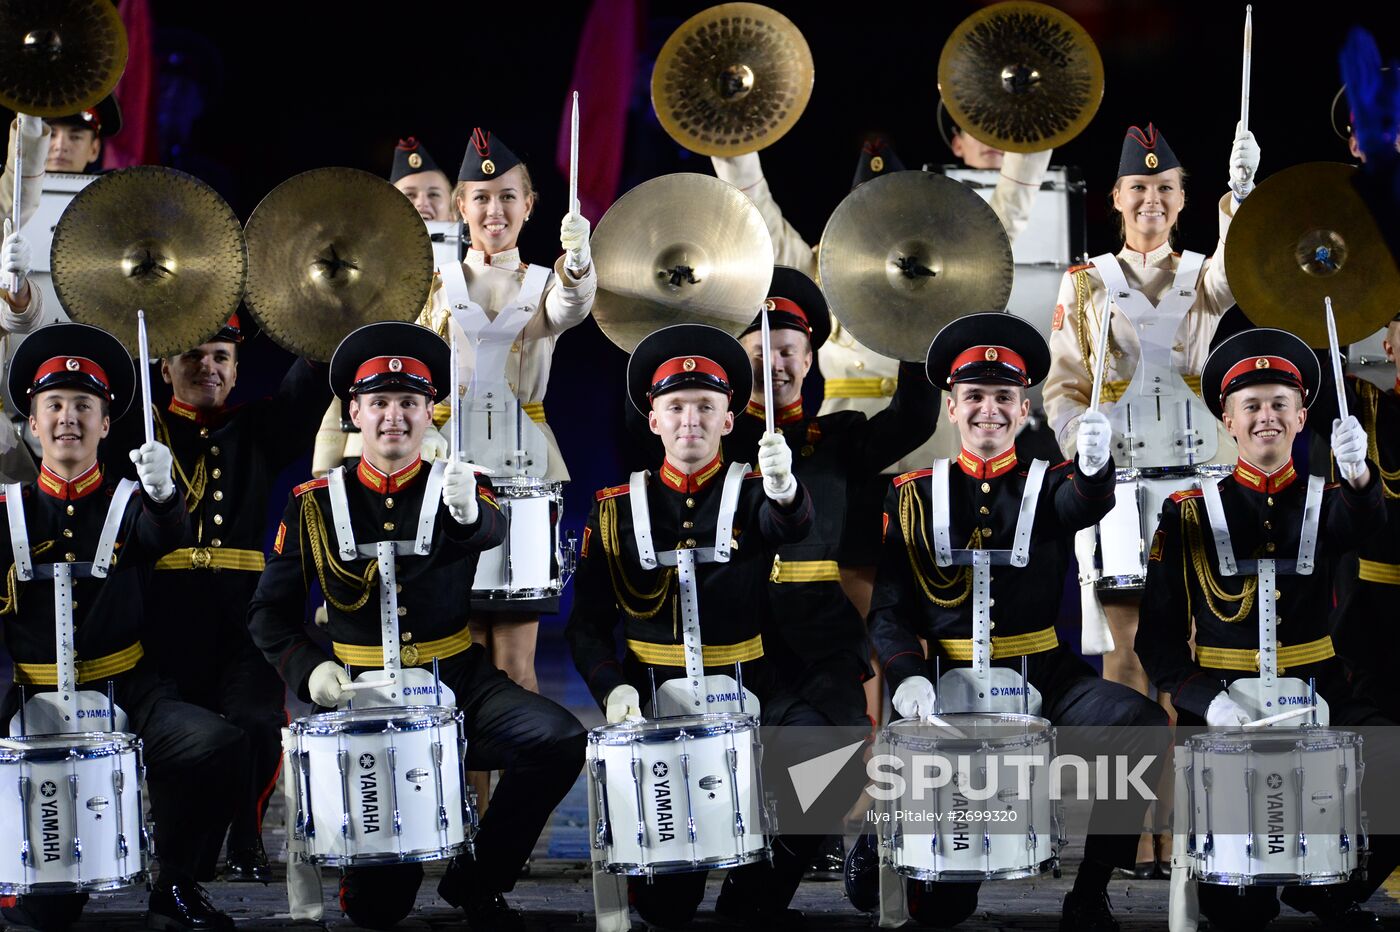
830	860
248	865
1142	870
184	907
489	912
1087	913
1351	919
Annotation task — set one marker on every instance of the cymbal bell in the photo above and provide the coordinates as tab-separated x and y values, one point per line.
1021	76
154	239
59	57
330	250
906	253
681	248
1305	234
732	79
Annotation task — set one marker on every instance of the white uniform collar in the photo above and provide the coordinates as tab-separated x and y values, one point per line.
1142	260
509	260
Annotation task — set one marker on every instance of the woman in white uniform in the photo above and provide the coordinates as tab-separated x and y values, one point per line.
1166	308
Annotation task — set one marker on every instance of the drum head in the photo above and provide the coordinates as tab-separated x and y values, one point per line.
55	747
1273	740
375	721
989	729
671	728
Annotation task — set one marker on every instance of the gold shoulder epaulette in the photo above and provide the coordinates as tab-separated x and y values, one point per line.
611	492
909	476
312	484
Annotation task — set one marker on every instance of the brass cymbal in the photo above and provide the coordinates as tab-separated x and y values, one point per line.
1021	76
680	249
153	239
907	252
330	250
732	79
1305	234
59	57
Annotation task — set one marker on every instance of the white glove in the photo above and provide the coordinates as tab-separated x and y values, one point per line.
623	705
1244	162
153	462
459	493
16	258
30	125
914	698
573	236
1093	440
327	684
435	446
775	462
1349	446
742	171
1226	712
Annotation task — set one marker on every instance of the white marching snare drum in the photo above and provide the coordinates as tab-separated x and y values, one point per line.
1274	807
677	794
527	564
1011	829
1125	533
77	825
382	786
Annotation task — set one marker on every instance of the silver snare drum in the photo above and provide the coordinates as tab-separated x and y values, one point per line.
528	563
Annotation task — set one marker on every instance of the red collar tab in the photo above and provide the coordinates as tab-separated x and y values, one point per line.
978	468
793	311
980	356
682	370
70	369
411	371
789	414
1280	370
51	484
191	413
677	481
1256	480
375	480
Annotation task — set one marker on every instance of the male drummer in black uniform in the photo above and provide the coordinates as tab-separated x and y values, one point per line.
1260	384
226	461
988	361
691	381
388	375
71	380
76	144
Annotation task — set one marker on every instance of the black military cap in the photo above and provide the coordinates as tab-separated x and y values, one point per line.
795	303
410	158
992	347
1258	356
689	356
1146	153
105	119
876	158
391	354
231	331
72	356
486	158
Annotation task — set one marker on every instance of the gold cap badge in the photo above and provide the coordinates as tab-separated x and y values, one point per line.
415	160
1261	363
488	167
396	365
72	365
991	354
688	365
1151	160
877	164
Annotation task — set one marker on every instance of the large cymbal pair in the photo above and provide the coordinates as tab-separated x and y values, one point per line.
325	252
902	255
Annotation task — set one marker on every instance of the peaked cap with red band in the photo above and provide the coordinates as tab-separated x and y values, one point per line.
72	356
410	158
105	119
1263	355
1145	152
688	356
486	158
795	303
1000	348
389	355
231	331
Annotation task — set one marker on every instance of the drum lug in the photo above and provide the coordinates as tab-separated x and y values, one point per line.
1298	796
1343	840
568	557
641	805
1206	780
602	832
25	790
342	761
1249	773
689	808
437	782
392	755
73	800
733	755
305	761
118	787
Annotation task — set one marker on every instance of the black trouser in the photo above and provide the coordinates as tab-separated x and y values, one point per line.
197	632
538	746
672	899
191	757
1077	698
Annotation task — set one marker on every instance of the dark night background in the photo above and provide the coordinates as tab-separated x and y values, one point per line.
291	86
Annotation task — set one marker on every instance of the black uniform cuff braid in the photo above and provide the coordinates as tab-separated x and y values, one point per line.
902	666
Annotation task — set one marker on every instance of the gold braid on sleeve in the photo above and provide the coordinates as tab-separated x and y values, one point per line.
1368	401
194	483
315	539
1086	329
912	522
1195	545
9	602
640	605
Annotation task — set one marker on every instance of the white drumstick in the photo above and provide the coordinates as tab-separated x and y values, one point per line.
1282	716
454	404
1334	347
367	684
767	370
573	158
15	283
1245	68
937	722
1101	350
145	376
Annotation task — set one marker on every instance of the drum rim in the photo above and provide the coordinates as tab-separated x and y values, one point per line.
1233	879
1011	719
100	744
519	595
405	718
109	885
508	486
1237	742
925	873
416	856
635	869
709	724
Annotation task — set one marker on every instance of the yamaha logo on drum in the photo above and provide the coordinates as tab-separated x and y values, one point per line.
48	821
661	801
48	789
1275	813
659	769
366	761
1274	780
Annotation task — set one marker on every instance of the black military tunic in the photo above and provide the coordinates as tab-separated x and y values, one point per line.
1184	586
611	584
817	637
189	751
537	743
